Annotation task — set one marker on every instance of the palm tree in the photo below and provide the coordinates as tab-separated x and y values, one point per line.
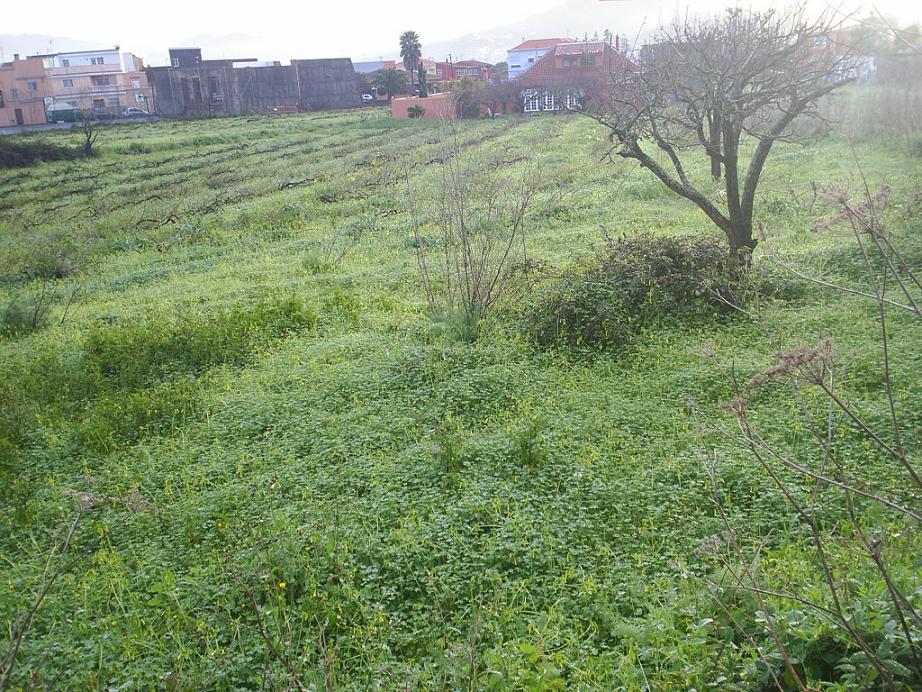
391	81
411	51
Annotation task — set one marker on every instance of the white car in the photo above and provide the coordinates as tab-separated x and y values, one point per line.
367	97
133	111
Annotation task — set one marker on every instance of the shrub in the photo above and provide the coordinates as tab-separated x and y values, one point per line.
603	301
468	95
53	262
127	417
22	316
416	111
313	264
137	148
19	154
138	355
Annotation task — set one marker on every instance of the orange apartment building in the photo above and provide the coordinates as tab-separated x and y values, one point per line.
23	90
102	83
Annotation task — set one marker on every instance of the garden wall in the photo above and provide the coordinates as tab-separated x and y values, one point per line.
438	107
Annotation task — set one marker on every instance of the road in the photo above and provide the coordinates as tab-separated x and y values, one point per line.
61	126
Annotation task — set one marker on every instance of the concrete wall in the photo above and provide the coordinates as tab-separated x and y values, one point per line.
327	83
438	107
220	89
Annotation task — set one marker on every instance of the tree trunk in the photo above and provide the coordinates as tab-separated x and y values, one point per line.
714	126
742	243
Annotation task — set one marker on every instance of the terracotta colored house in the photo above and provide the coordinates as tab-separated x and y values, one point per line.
472	69
570	75
101	82
23	90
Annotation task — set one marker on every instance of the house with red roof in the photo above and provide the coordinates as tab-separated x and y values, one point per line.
569	75
528	53
473	69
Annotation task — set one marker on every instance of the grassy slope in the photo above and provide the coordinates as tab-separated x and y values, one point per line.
316	456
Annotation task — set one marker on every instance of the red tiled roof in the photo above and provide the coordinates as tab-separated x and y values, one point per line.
539	43
545	70
580	47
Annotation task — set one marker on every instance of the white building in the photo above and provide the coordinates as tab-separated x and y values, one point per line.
126	62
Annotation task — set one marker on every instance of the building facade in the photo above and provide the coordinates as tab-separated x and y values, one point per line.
99	83
200	88
570	76
103	83
472	69
528	53
23	90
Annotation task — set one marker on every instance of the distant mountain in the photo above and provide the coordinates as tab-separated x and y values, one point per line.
574	18
38	44
632	20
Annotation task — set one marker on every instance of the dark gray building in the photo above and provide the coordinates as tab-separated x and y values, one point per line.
192	87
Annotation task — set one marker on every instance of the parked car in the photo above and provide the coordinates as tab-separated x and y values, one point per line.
367	97
134	112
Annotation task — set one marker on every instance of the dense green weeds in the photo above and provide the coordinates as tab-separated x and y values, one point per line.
250	403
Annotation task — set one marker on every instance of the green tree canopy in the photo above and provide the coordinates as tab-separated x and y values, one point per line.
411	52
391	81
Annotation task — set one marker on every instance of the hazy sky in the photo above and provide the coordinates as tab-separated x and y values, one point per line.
361	29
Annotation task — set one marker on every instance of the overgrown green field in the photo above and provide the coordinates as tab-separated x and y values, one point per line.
219	367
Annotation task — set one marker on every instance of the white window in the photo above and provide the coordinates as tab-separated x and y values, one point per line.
68	83
135	83
65	62
532	104
100	81
175	62
113	102
572	100
550	101
140	98
97	61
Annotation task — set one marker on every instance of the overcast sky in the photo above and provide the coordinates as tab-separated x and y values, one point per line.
360	29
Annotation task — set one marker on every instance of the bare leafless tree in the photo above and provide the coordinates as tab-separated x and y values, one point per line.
90	135
479	209
723	86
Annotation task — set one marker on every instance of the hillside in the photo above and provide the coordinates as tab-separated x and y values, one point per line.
239	450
